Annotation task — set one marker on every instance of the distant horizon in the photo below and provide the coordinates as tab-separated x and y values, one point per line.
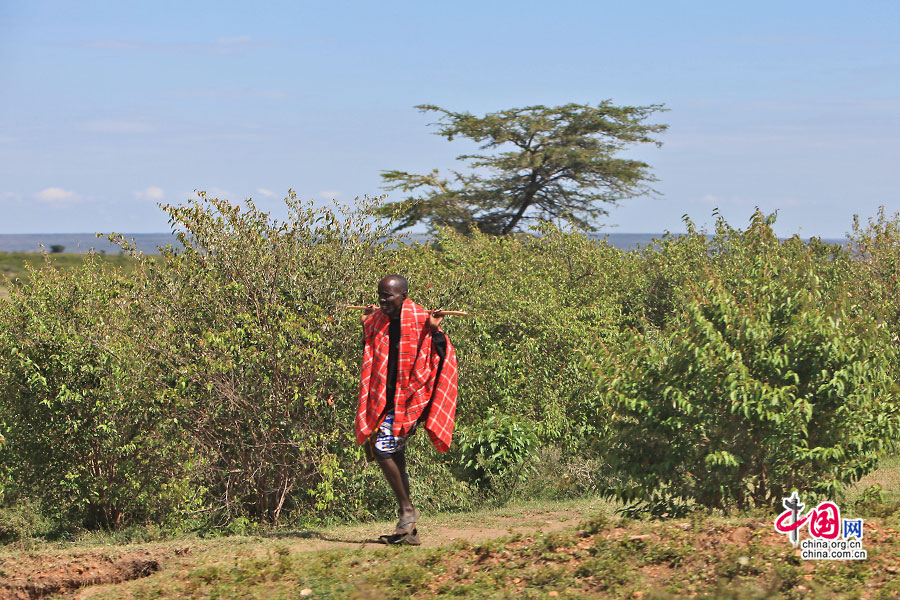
148	243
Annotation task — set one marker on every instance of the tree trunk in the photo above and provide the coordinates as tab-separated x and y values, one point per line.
530	191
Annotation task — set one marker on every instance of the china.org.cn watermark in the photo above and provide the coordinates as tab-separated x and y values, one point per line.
830	536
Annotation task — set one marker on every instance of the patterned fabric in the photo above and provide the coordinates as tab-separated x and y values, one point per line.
385	441
417	366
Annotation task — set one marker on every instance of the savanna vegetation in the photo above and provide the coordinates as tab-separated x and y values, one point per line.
14	266
214	385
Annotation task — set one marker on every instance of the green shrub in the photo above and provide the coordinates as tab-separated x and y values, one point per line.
768	381
498	454
256	349
876	249
554	475
216	383
85	432
536	303
23	521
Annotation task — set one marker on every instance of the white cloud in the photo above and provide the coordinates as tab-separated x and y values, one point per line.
330	194
150	193
265	192
57	197
116	126
9	198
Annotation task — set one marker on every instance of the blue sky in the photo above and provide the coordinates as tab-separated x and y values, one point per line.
111	107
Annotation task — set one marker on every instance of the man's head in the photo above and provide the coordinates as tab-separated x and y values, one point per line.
392	291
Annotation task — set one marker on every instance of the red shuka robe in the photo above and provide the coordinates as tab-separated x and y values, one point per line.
417	365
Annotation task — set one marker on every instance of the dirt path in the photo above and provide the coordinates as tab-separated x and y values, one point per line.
39	576
80	570
441	530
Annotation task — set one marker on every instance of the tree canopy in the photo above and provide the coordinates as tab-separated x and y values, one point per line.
548	162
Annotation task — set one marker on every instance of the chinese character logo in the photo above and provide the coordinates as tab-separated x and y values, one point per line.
830	536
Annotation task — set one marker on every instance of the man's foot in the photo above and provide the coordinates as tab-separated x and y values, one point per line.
405	532
407	523
411	538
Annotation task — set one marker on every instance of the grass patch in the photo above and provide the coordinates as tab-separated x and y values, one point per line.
600	556
627	559
13	265
887	476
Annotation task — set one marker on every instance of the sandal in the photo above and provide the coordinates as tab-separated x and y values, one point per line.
405	524
405	533
392	539
411	538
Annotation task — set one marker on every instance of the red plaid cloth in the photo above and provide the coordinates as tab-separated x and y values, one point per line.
417	366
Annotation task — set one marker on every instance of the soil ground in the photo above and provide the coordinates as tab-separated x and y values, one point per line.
56	569
572	549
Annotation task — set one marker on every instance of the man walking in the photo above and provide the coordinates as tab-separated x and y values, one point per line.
408	377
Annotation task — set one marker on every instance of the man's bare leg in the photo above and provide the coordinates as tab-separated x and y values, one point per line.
394	469
400	459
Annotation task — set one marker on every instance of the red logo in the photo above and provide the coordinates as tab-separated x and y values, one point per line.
824	521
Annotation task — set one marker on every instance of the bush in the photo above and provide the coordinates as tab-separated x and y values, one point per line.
216	383
537	304
85	432
876	249
256	351
498	453
22	522
768	381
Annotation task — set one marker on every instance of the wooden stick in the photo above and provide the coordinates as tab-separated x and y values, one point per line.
440	313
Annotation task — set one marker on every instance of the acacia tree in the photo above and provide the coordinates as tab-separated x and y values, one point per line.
552	162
